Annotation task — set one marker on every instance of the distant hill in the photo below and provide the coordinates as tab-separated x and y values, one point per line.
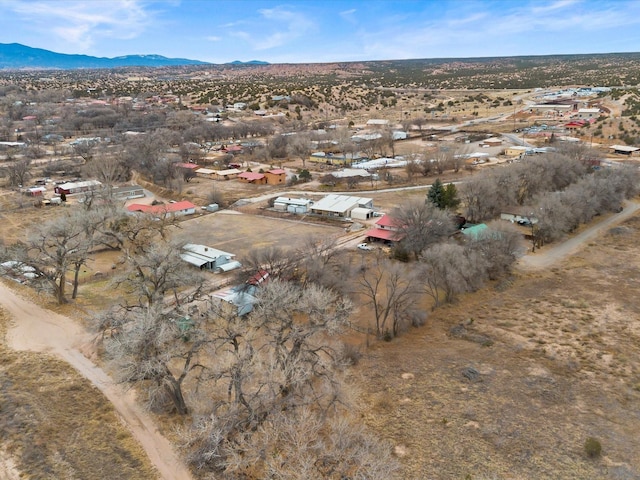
17	56
250	62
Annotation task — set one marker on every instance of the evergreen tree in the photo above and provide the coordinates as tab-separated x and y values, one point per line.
450	197
436	194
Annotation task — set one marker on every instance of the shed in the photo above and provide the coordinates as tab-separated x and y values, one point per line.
360	213
624	149
208	258
292	205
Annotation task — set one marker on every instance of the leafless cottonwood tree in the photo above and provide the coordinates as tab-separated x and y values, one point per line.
108	167
421	224
321	262
57	247
299	146
157	271
270	370
157	351
390	289
500	246
450	269
18	172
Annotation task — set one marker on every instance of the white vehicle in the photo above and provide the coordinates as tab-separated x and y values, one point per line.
364	246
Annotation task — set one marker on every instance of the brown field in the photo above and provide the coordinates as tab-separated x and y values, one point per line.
240	233
55	424
557	359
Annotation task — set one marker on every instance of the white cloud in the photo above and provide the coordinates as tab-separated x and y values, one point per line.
274	28
213	38
81	23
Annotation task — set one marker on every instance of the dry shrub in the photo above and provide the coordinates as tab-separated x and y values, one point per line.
592	447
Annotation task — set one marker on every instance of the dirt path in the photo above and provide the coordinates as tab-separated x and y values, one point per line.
39	330
549	255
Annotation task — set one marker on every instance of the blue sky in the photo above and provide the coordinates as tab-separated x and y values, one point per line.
301	31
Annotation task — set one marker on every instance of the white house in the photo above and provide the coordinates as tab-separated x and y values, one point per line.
207	258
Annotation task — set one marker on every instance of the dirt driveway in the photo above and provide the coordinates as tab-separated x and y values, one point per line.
38	330
550	255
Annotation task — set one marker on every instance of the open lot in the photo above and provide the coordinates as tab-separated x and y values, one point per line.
510	381
240	233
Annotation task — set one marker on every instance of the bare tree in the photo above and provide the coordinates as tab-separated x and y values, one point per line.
108	167
390	290
158	351
449	269
55	248
421	224
156	271
267	369
500	245
299	146
18	172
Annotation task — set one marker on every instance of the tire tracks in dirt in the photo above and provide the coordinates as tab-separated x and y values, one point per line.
556	253
36	329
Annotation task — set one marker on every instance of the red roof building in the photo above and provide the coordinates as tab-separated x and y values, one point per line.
386	230
188	166
178	208
232	149
253	177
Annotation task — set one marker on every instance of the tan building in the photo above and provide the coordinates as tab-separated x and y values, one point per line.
276	176
515	151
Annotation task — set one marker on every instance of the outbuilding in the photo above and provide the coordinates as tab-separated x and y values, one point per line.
208	258
340	205
292	205
624	149
72	188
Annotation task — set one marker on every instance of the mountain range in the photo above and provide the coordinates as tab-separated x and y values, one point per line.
15	56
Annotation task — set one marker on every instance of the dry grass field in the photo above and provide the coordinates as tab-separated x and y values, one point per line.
510	382
55	424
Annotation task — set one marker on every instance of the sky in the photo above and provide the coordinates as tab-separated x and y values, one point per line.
318	31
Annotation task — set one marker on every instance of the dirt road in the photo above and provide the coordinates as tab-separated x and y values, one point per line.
39	330
547	256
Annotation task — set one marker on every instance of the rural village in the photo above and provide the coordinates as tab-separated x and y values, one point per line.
342	270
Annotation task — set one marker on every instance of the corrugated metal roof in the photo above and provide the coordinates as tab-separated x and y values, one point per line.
206	252
340	203
194	259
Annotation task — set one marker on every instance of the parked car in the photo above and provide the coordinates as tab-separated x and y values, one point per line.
365	246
